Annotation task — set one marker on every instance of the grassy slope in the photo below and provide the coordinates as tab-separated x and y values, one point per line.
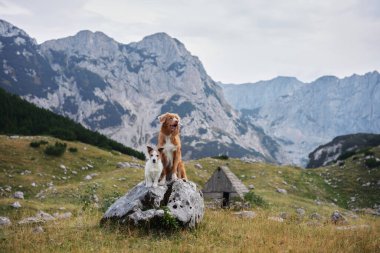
350	184
220	231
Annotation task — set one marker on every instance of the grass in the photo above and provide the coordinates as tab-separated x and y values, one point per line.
221	230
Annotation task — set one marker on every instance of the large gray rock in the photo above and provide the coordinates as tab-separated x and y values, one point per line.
186	203
147	205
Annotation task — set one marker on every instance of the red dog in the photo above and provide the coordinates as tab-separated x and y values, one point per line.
169	140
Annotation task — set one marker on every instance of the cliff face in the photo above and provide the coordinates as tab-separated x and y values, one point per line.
121	89
302	116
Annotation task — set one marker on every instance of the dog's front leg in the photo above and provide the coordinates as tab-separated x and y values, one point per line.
148	182
177	159
155	182
146	178
162	177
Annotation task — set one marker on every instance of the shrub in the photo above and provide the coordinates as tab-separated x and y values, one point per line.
254	199
57	150
368	153
372	163
73	150
168	221
35	144
221	157
87	197
346	155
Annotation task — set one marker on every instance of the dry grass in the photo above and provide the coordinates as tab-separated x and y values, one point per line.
220	231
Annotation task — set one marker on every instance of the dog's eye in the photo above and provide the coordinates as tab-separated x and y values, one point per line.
151	155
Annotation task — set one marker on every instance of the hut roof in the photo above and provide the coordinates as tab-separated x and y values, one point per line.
233	183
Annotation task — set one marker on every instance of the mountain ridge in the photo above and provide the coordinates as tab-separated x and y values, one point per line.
120	89
302	116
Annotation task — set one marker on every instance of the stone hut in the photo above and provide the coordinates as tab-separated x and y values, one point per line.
224	186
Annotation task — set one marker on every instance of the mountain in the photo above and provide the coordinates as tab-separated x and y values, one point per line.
18	116
120	90
302	116
342	147
246	96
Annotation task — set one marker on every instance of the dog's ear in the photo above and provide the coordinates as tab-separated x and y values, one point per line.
160	150
162	117
149	149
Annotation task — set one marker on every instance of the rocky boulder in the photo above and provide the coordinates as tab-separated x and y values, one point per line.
177	201
283	191
5	221
18	195
338	218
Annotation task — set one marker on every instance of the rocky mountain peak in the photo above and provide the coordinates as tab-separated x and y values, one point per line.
163	46
89	43
285	80
9	30
327	79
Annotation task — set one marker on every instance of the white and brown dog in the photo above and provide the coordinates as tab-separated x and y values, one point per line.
153	167
169	140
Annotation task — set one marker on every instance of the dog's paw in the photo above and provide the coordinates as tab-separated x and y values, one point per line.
174	177
162	182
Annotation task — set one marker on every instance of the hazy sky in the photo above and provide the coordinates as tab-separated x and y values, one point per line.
237	40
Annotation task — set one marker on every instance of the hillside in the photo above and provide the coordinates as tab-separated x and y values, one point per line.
342	147
59	185
18	116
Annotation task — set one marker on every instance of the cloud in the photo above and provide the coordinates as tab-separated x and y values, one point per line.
10	8
238	41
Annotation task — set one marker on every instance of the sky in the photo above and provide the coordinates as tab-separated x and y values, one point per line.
238	41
